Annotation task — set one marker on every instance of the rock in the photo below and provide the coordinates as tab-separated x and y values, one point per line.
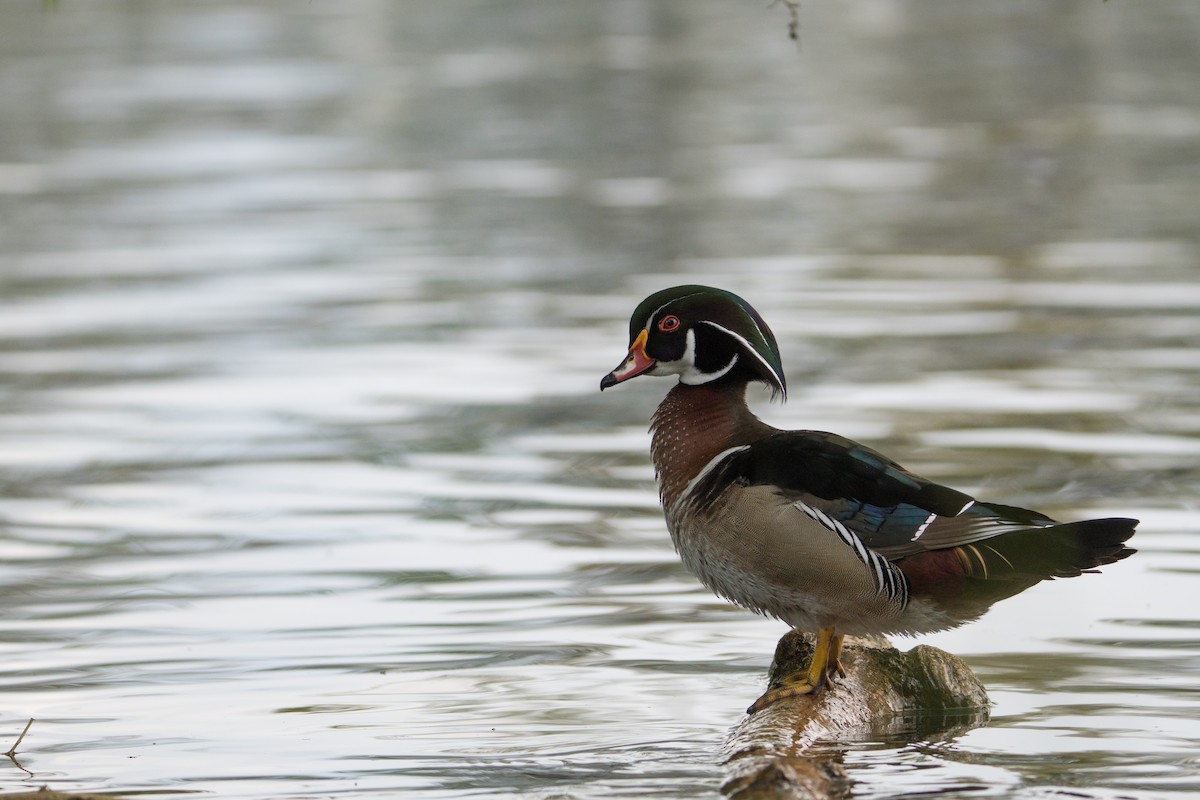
46	793
885	693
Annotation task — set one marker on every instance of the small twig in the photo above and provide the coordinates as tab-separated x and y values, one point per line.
12	751
793	7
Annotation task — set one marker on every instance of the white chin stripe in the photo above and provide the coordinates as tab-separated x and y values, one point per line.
694	377
685	366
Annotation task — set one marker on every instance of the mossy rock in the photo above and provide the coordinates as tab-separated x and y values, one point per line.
885	693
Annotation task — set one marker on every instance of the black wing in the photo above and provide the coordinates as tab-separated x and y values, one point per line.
892	510
900	515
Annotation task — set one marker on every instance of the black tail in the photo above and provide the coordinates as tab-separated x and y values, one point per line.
969	578
1056	551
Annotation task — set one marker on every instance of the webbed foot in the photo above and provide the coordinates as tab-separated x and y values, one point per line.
826	661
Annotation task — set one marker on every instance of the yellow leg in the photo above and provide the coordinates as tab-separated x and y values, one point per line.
834	662
825	661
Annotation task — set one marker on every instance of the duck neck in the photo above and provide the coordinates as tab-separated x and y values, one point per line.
692	425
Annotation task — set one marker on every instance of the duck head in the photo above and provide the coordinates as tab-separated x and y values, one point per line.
703	335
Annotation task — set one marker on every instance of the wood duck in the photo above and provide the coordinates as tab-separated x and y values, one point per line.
817	530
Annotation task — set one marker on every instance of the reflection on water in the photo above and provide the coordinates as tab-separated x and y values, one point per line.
307	488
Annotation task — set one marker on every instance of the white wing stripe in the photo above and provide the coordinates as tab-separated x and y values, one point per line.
888	579
703	473
921	528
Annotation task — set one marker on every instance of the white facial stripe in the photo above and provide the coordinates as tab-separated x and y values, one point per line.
685	365
682	366
654	313
749	348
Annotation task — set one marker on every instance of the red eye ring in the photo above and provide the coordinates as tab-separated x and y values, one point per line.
668	323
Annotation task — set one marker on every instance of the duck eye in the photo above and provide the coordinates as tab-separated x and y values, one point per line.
668	323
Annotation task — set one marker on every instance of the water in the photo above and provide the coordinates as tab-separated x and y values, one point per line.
307	489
